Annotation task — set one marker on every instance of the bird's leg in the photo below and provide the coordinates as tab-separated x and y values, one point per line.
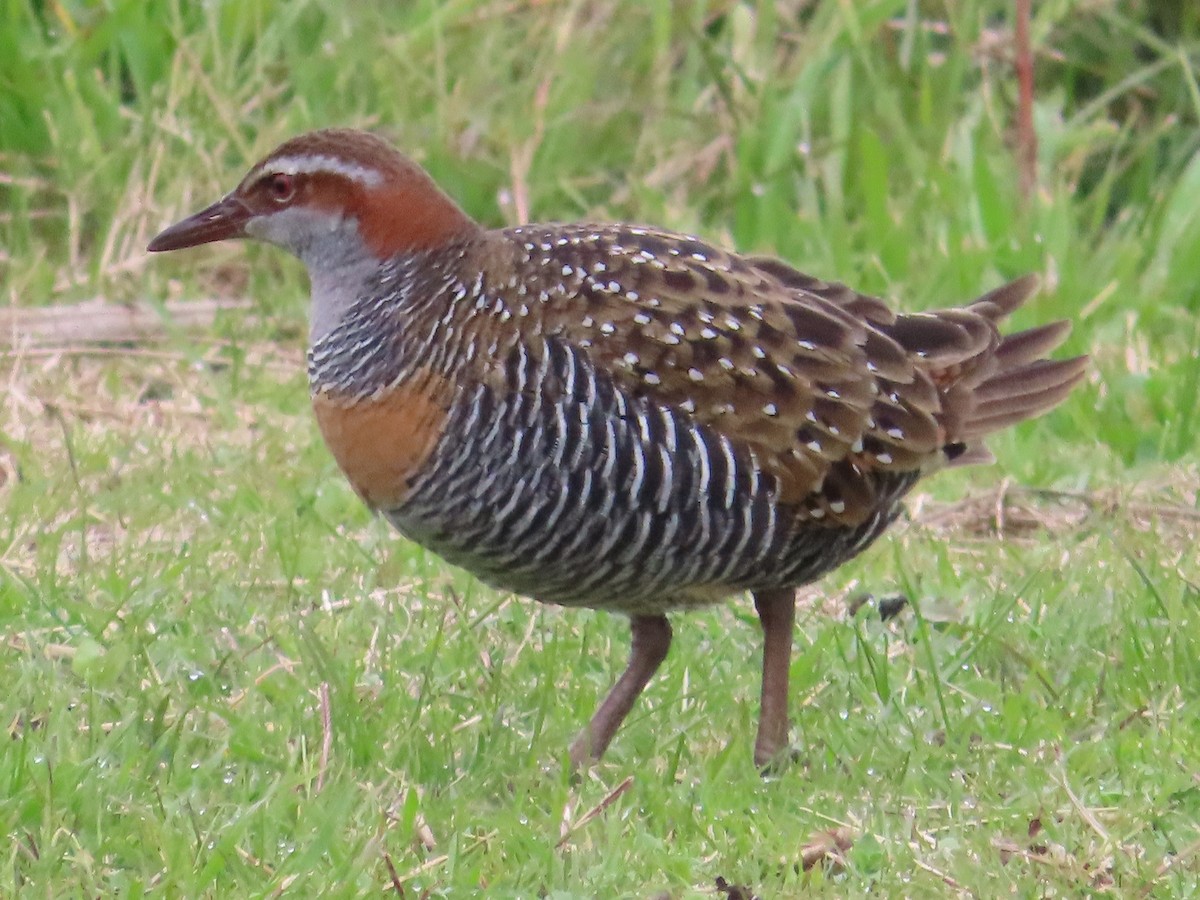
777	613
651	640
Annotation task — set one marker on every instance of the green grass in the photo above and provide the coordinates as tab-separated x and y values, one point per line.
221	677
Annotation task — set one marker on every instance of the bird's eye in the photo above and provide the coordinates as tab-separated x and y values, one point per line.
281	187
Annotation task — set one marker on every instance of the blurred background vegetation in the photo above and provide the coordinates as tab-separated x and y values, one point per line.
175	546
867	141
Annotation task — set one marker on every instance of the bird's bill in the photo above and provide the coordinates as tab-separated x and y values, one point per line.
225	219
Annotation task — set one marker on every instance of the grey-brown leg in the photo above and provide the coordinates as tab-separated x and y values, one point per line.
651	641
777	613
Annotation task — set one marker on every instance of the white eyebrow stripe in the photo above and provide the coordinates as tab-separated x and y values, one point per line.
311	164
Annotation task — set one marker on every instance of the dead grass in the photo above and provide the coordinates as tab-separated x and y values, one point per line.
1165	502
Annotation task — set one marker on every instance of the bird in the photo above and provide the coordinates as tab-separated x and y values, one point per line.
615	416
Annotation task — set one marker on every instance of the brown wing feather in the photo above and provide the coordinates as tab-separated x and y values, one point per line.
823	386
784	374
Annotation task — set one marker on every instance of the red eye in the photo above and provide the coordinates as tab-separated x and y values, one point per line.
281	187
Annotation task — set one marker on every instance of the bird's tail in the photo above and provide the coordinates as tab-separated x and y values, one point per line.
973	379
1012	380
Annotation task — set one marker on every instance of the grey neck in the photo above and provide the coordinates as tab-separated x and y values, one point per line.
335	288
340	264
